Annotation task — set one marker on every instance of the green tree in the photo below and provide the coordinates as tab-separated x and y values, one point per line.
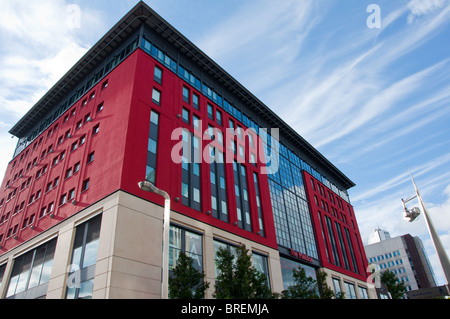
309	288
240	279
304	288
396	288
186	281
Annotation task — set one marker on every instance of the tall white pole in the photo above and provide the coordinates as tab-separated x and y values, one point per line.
442	255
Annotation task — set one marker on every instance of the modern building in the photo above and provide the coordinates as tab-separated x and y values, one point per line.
146	104
406	257
378	235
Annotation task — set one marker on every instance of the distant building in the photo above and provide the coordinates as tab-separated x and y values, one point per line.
378	235
404	255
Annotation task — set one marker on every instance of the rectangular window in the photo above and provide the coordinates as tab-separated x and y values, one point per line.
152	148
158	75
261	264
31	273
350	292
90	158
242	202
84	260
62	200
196	101
210	112
258	204
218	245
156	97
190	168
187	242
186	116
85	186
186	95
218	186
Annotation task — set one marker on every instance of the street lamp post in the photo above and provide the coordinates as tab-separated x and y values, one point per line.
149	187
412	215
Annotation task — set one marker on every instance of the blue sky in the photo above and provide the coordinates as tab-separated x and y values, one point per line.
375	101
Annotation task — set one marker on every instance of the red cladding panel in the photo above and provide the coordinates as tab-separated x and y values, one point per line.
324	204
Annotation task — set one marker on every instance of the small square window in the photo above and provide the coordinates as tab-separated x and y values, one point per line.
105	85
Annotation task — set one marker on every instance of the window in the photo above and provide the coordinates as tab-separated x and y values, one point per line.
158	75
156	96
105	85
84	259
187	242
258	204
31	272
96	129
74	147
100	107
90	158
337	286
82	140
261	264
56	182
152	148
210	112
218	186
186	95
71	194
218	245
219	117
242	202
62	200
76	168
196	101
186	116
196	122
190	176
68	173
350	292
85	186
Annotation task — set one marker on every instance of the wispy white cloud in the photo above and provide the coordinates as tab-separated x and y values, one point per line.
41	40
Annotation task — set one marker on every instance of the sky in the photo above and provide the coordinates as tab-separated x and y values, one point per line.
372	98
